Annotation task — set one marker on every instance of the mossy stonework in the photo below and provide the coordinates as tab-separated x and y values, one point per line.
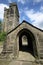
24	42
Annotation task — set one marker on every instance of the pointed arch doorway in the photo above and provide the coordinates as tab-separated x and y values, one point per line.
27	42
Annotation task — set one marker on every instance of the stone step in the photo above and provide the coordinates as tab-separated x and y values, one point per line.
7	51
41	55
23	63
41	50
2	57
41	47
17	62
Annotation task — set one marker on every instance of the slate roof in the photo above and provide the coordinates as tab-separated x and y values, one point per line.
21	24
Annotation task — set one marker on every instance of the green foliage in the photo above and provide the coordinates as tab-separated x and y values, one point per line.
0	21
0	25
2	36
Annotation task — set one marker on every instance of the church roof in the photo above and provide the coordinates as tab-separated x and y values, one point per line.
26	23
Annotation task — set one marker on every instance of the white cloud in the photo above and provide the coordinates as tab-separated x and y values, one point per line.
20	11
2	10
35	17
41	8
9	1
34	1
37	1
23	1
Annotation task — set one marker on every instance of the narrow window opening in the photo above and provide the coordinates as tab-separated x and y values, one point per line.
24	40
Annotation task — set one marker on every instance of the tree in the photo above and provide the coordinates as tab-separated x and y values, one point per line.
2	36
0	25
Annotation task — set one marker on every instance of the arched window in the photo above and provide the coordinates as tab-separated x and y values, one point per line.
24	40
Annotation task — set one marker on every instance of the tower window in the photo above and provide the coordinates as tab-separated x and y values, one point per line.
11	11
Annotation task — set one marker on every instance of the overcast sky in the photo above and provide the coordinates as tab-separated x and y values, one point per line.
29	10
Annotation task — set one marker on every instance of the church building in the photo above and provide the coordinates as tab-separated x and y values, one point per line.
24	41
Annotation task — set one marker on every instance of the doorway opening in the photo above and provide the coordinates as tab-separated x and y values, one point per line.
27	42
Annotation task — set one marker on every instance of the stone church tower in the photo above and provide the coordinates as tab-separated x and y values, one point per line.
11	17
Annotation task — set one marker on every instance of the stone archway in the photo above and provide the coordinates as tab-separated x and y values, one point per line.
30	45
26	45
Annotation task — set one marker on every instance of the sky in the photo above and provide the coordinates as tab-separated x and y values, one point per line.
29	10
